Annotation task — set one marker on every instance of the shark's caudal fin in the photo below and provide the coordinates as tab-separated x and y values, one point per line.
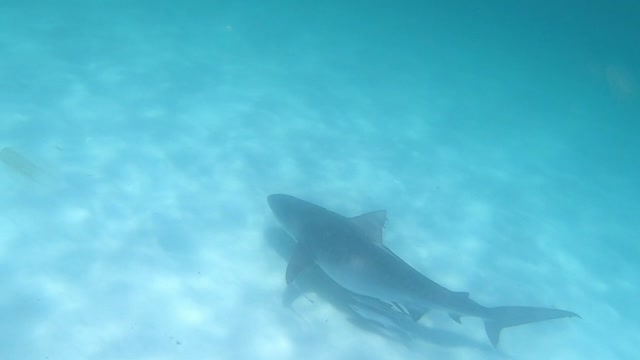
506	316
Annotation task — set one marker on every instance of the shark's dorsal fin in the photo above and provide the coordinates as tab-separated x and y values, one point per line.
371	224
300	260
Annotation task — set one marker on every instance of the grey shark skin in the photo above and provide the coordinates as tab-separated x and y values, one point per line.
351	252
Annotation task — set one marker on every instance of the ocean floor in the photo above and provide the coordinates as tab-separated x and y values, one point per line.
138	144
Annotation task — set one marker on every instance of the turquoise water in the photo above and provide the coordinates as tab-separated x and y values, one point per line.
141	138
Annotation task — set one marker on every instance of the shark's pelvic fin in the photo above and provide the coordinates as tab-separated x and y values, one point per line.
506	316
455	317
416	314
371	224
300	260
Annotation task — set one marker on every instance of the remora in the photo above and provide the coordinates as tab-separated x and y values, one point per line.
351	252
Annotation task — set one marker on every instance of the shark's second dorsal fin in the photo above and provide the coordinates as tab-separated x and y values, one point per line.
300	260
371	224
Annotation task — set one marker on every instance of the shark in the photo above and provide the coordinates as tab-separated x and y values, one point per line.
351	252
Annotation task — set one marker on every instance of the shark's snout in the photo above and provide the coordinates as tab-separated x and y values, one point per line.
286	210
273	199
277	202
291	212
283	207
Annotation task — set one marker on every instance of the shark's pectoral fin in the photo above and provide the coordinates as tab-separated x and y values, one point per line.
371	224
300	260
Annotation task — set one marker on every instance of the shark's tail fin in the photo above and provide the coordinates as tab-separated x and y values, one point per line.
506	316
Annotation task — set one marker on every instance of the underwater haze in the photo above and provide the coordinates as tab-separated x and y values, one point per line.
139	141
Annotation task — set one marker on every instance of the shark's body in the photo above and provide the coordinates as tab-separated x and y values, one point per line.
351	252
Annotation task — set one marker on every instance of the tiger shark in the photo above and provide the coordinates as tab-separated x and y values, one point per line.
351	252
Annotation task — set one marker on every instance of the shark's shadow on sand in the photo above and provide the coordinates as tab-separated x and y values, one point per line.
367	313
